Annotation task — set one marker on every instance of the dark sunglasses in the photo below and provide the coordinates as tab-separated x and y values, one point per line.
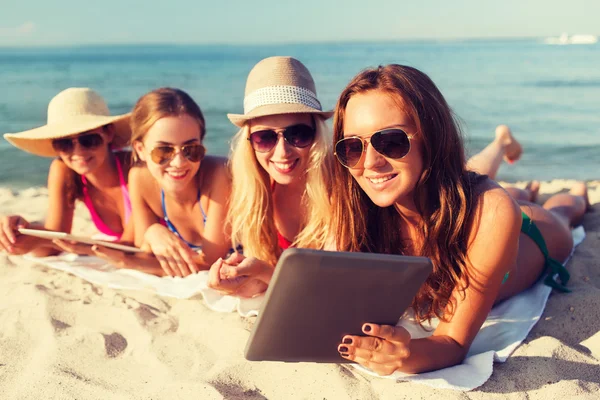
392	143
164	154
88	142
300	136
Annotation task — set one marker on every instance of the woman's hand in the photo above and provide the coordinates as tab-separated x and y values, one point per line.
10	240
383	350
226	277
173	254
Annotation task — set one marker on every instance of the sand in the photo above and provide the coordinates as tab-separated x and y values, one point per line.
64	338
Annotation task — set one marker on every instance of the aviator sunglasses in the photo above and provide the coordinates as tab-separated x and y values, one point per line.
165	153
300	136
391	143
67	145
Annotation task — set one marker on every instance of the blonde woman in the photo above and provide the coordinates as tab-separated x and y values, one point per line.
178	194
280	165
83	137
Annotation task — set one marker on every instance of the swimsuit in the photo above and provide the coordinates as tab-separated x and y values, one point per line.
282	241
172	227
105	232
552	266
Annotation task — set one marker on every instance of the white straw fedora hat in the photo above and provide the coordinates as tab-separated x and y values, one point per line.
279	85
72	111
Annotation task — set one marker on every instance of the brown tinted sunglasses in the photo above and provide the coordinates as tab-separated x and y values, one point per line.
165	153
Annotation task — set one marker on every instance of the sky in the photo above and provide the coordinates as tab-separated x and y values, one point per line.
70	22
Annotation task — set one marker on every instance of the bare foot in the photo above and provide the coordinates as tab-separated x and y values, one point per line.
512	147
533	188
580	189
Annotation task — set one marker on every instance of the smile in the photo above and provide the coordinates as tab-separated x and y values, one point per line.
285	167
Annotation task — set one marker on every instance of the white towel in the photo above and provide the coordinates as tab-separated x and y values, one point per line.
507	325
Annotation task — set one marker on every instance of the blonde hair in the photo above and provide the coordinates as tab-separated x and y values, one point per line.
161	103
251	204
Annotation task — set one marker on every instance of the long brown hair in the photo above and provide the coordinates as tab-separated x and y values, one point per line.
161	103
444	195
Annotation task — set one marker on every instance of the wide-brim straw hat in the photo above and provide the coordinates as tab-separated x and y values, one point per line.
279	85
72	111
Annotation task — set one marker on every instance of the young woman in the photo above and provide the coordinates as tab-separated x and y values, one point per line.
280	167
403	187
82	135
178	194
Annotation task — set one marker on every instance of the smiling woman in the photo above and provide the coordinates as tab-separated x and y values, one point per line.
178	195
280	165
82	135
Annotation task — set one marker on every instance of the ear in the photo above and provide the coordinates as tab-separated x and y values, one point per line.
138	147
109	132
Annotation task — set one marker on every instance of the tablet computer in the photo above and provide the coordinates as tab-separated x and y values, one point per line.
51	235
316	297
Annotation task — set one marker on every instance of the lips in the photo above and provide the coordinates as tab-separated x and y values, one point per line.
381	182
285	167
178	175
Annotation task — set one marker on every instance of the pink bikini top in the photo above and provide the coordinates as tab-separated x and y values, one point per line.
105	232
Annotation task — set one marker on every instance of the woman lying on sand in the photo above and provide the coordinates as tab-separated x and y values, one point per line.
280	165
83	135
178	194
404	188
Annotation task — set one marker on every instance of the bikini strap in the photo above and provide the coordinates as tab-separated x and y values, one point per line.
529	228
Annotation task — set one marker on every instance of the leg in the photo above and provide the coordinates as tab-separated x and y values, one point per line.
554	220
488	160
530	193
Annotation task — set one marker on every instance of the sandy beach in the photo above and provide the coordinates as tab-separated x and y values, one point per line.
64	338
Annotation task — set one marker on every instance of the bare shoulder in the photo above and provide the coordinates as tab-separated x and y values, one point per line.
59	174
140	178
497	211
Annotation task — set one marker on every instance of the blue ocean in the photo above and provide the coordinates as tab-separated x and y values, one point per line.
548	94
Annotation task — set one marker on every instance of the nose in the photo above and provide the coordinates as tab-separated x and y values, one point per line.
282	148
78	149
372	159
178	160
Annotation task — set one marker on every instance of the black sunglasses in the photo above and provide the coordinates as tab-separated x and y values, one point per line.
88	141
165	153
392	143
300	136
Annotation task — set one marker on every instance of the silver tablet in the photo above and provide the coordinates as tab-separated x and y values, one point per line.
50	235
316	297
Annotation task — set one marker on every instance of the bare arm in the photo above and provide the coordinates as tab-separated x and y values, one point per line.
493	249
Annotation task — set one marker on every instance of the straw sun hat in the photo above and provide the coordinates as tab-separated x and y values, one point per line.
279	85
72	111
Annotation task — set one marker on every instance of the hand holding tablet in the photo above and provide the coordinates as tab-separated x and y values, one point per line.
317	298
51	235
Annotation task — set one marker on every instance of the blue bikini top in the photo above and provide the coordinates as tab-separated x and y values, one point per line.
172	227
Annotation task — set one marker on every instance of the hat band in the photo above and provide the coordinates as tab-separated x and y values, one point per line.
281	95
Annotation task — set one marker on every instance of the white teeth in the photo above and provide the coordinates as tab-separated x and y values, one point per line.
177	174
283	166
381	180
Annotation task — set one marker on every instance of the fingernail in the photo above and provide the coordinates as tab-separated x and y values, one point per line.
367	328
343	349
347	341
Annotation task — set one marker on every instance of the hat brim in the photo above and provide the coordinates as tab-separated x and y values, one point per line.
38	141
275	109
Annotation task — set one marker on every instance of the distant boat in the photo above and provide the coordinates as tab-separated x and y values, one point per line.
572	39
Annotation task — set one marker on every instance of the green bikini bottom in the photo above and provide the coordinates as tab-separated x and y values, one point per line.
552	266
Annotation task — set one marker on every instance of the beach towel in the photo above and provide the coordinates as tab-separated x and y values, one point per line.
507	325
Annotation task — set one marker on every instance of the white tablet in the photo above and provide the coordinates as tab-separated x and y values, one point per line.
51	235
316	297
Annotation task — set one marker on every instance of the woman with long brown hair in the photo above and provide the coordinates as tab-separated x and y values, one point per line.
403	187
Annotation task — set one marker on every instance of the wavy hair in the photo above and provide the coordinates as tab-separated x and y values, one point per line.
251	213
444	196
